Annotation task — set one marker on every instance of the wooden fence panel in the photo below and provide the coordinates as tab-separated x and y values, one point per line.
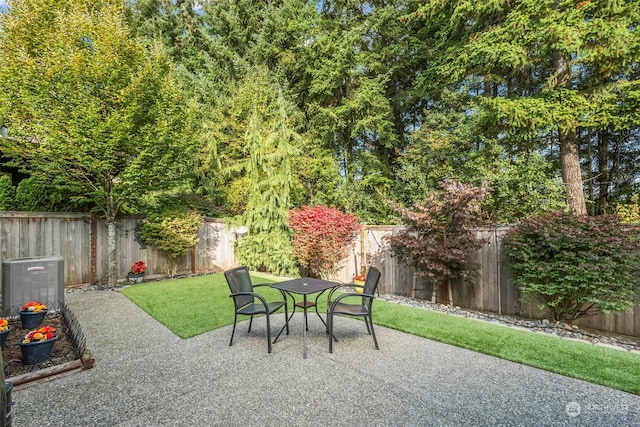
214	251
35	234
72	245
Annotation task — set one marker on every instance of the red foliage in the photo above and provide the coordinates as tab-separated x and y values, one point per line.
322	237
440	235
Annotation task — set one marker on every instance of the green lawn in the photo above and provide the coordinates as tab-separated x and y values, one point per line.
199	304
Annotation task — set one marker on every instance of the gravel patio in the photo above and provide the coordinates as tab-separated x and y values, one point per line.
144	375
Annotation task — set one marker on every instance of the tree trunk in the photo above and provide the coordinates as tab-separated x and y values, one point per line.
443	292
569	158
571	172
590	172
112	274
603	172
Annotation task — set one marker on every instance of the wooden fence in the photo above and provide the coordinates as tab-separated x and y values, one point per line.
491	290
81	240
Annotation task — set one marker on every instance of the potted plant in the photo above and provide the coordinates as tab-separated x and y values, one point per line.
32	314
4	331
37	345
137	271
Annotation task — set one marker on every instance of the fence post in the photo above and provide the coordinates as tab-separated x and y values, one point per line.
93	249
363	248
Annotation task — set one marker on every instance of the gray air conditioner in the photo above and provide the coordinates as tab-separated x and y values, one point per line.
32	279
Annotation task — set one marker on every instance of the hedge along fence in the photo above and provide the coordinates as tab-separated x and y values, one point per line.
81	240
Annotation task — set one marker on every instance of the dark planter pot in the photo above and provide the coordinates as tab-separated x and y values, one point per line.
32	319
36	352
3	337
135	277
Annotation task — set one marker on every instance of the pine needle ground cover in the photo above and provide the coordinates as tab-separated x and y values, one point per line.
195	305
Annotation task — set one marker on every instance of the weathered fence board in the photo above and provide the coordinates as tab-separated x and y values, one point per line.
36	234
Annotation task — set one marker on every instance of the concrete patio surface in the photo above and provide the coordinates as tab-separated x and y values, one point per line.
144	375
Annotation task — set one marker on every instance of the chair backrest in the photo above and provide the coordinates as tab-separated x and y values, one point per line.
239	280
370	284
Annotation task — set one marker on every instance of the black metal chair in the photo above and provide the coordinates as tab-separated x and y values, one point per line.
250	303
361	309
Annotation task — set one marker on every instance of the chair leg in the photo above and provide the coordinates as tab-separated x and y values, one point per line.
375	341
286	317
268	334
286	322
233	331
332	337
330	326
326	325
250	323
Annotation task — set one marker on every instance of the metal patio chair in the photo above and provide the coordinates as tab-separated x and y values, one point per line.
360	309
249	303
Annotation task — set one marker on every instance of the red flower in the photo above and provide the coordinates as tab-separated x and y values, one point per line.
42	334
138	267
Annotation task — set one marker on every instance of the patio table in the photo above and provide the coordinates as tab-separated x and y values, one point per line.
304	286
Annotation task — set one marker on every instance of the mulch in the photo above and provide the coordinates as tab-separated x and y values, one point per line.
63	350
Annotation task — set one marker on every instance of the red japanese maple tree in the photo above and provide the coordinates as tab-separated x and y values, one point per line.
440	234
322	238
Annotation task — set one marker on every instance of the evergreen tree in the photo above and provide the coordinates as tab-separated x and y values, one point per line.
271	143
528	60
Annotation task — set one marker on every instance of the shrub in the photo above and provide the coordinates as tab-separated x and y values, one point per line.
629	212
576	265
440	236
322	238
41	193
267	250
7	193
174	233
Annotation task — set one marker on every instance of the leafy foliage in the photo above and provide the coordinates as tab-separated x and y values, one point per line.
7	193
388	99
50	194
576	265
91	107
271	143
522	188
175	233
439	237
322	238
542	71
629	212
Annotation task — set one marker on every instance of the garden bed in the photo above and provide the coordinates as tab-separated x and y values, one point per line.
68	354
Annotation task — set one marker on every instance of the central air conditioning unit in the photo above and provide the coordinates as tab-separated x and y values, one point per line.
32	279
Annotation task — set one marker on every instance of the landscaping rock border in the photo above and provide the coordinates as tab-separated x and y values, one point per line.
543	326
